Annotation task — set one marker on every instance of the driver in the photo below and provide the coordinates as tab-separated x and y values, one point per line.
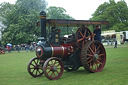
97	33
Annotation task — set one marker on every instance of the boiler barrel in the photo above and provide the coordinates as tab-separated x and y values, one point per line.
54	51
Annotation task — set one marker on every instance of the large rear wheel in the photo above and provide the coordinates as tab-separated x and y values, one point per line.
83	35
93	56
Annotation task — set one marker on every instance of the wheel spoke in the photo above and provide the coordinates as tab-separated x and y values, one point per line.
80	40
90	60
49	64
88	37
48	68
81	33
36	72
90	55
48	72
99	62
39	72
52	62
32	64
93	47
99	58
83	44
33	71
85	33
95	66
90	65
35	62
31	68
101	55
52	74
98	48
57	71
58	68
98	52
91	50
57	65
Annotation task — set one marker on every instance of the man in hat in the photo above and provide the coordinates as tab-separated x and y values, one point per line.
97	33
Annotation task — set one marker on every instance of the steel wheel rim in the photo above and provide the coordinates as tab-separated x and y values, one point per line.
83	35
95	57
34	68
53	68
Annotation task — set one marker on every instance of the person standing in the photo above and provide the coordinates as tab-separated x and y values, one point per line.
18	48
97	33
26	47
115	44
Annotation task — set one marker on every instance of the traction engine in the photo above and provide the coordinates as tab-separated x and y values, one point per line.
56	54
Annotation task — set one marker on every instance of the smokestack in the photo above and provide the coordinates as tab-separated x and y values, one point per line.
43	25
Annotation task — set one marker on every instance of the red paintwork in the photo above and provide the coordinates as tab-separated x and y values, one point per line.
65	50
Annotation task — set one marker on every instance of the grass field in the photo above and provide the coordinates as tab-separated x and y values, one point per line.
13	71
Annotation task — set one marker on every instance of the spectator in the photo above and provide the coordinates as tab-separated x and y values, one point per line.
31	47
18	48
115	43
8	48
26	47
97	33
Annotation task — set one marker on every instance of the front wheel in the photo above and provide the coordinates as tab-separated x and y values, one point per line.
53	68
35	68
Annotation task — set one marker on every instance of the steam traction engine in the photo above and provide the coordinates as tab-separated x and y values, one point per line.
55	53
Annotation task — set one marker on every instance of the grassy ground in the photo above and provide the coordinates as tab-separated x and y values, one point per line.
13	71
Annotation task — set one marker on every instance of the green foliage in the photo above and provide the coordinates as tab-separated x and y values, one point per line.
5	8
21	20
57	13
115	13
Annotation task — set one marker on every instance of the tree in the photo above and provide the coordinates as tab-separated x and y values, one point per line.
5	8
57	13
21	21
115	13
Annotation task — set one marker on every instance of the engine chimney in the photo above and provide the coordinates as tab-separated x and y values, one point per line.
43	25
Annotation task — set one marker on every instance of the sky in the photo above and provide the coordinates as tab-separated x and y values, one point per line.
78	9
